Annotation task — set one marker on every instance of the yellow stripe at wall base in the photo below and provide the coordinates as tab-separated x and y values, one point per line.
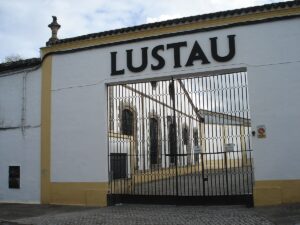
276	192
79	193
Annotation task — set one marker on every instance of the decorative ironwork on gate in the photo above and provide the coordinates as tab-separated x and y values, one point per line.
181	141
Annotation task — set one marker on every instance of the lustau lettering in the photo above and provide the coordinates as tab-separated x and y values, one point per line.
196	55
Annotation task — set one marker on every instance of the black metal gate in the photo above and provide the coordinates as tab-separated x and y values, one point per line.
181	141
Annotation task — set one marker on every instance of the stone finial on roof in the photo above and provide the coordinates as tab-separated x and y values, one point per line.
54	26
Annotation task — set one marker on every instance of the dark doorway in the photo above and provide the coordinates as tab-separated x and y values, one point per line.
118	165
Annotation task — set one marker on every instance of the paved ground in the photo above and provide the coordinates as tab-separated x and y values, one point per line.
238	182
15	214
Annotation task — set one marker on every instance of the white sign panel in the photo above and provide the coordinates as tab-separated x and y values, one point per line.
229	147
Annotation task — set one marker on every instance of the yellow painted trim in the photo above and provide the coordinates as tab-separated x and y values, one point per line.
79	193
276	192
46	129
173	28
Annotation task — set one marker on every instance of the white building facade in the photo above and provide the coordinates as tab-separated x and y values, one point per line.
56	125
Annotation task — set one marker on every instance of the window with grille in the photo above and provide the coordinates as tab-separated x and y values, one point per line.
127	122
14	177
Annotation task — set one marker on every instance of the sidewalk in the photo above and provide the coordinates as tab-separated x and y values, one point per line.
16	214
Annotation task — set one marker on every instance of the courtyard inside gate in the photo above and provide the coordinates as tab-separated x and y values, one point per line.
181	141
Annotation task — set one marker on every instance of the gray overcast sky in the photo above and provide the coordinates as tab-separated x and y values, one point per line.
24	23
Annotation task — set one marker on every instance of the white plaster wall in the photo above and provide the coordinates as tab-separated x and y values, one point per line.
79	150
20	141
274	97
79	97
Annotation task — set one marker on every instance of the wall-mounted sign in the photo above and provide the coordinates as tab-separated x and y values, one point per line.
195	54
229	147
261	131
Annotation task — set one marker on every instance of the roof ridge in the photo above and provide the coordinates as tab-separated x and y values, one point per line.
193	18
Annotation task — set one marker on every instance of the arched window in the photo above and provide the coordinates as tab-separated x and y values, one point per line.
195	136
127	122
153	141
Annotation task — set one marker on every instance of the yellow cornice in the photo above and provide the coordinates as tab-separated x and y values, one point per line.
172	29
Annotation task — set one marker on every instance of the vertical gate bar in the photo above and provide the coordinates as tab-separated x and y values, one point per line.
222	130
179	102
233	114
118	143
165	135
163	143
168	96
204	138
138	137
119	148
182	105
178	118
179	131
230	155
221	135
212	155
191	129
129	96
221	127
246	130
195	173
241	110
143	186
166	138
226	169
214	132
144	183
154	113
186	120
149	175
245	92
198	92
242	115
115	140
232	177
122	145
239	133
108	114
158	113
175	132
227	134
189	144
249	141
251	173
217	109
208	106
163	147
159	146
